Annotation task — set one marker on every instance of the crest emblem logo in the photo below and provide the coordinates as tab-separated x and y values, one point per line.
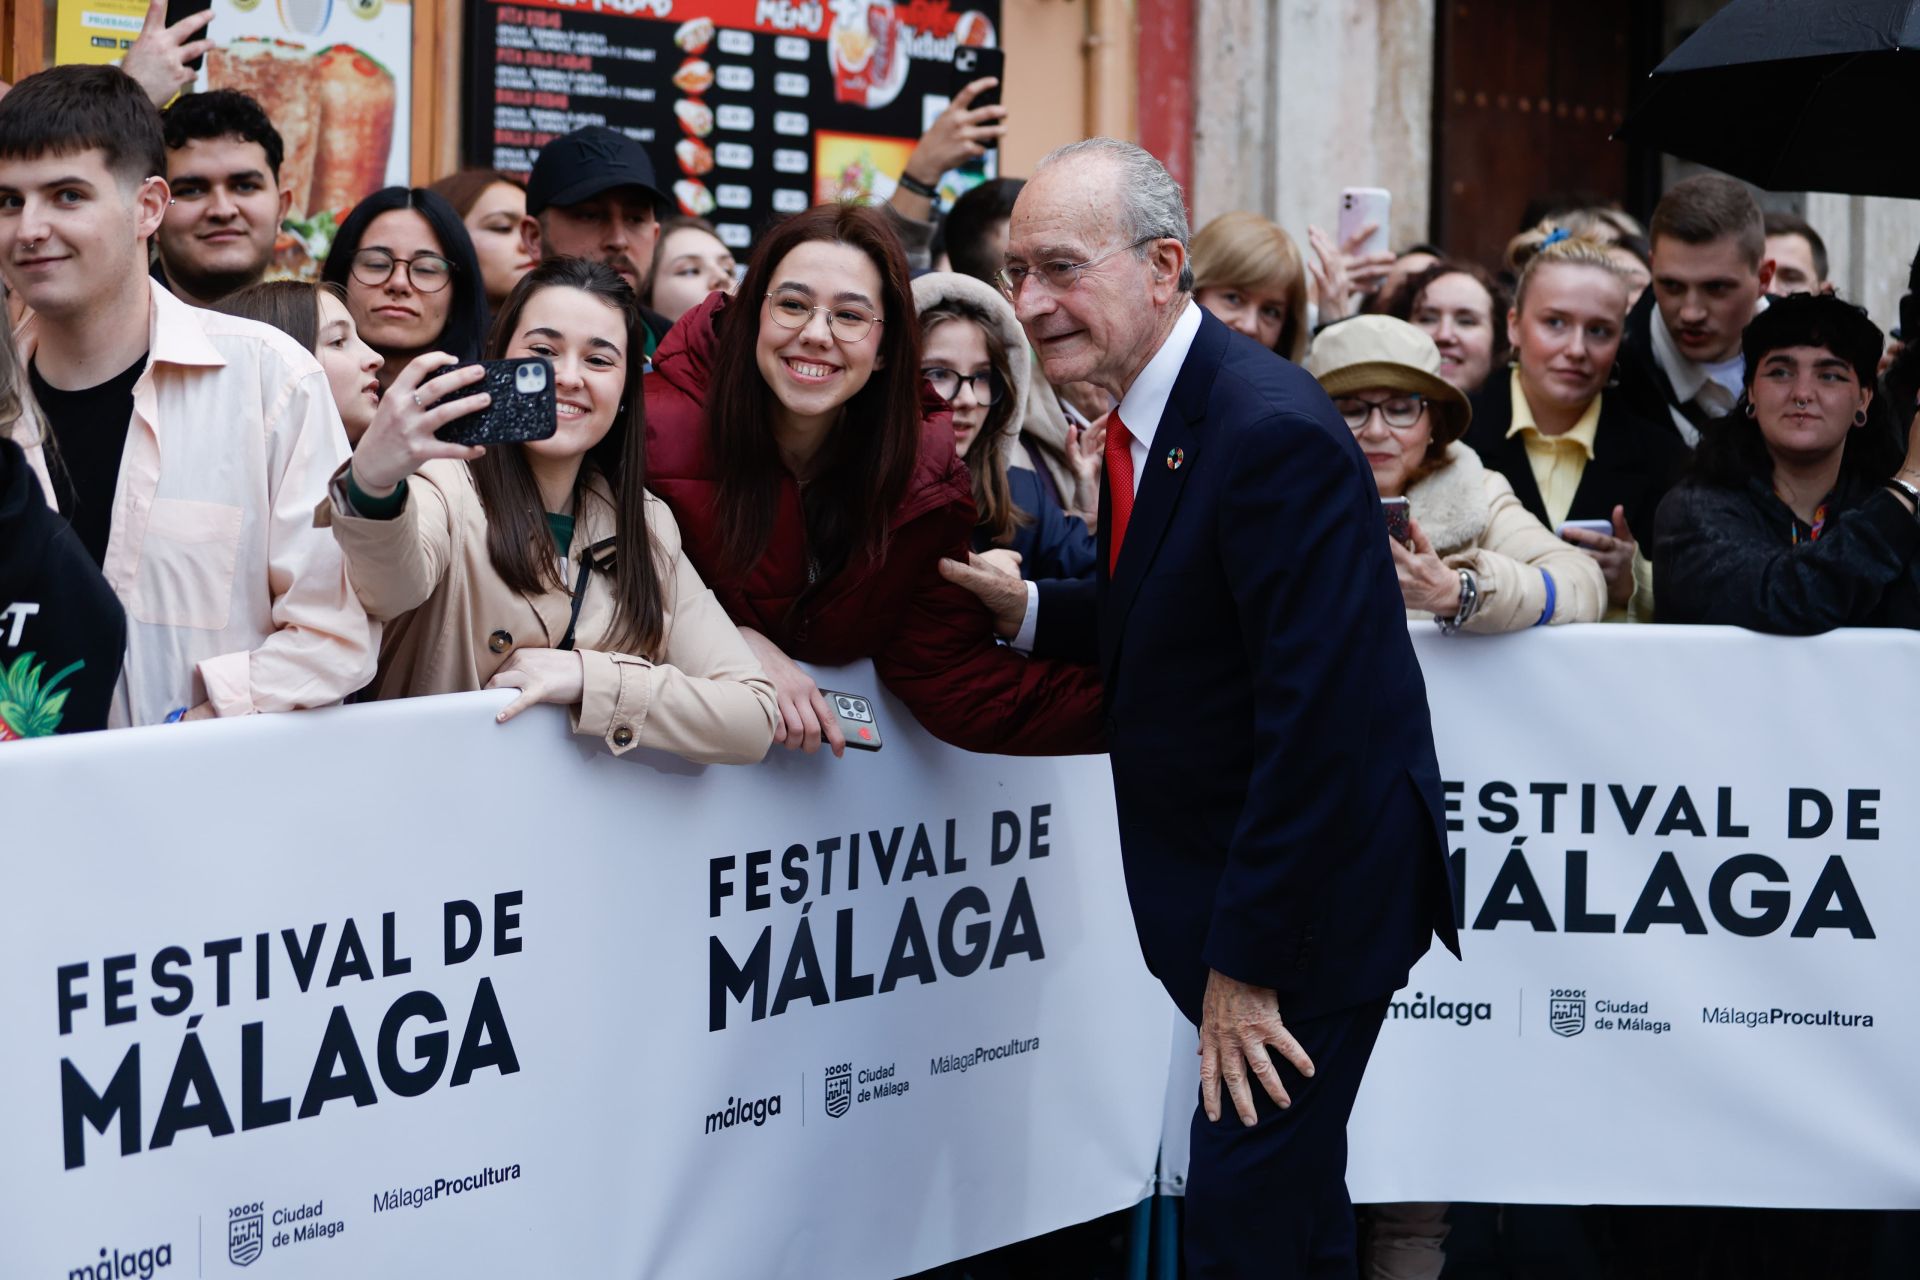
839	1090
246	1237
1567	1017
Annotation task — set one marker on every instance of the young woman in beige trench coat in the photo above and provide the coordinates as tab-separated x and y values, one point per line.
545	566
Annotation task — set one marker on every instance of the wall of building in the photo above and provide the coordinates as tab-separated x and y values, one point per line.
1295	101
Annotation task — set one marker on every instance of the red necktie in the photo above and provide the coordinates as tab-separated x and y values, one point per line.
1119	485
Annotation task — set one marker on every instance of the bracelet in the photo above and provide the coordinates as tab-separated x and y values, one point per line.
1912	494
913	186
1469	605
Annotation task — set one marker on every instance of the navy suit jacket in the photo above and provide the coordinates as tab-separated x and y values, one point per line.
1273	764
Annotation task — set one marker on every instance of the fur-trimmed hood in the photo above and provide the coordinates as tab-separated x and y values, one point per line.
936	287
1451	504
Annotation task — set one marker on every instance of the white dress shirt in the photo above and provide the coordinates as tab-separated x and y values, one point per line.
1715	388
1141	409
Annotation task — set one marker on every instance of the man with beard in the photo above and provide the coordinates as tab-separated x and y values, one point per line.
592	194
223	167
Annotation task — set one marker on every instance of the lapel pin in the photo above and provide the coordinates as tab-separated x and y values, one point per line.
1174	458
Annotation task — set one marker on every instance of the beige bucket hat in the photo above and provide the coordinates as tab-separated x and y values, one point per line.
1369	352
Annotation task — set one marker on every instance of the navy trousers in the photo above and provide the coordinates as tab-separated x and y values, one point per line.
1270	1202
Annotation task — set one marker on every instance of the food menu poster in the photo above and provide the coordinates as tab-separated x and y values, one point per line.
335	78
749	109
332	75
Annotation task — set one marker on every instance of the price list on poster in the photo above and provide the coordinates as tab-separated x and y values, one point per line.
749	109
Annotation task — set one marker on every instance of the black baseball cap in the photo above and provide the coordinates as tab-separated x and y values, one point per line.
580	165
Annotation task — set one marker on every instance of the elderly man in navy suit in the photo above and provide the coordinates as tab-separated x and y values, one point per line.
1279	801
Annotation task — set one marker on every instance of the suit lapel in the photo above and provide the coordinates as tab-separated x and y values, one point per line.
1177	436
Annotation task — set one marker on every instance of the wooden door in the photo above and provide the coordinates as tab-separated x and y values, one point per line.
1526	94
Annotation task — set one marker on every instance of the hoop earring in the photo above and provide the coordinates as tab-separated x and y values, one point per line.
1749	409
1860	419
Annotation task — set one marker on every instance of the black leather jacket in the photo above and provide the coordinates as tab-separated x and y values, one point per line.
1729	556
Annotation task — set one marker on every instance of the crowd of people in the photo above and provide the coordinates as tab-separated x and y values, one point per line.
226	495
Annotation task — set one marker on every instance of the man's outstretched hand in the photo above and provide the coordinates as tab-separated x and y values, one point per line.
1237	1024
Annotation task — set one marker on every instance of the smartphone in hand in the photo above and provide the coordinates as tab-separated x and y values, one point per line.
1361	207
1589	526
1399	514
522	409
179	11
857	723
972	63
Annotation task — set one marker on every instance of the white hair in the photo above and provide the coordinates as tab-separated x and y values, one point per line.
1151	205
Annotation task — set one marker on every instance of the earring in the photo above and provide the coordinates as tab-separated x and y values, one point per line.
1860	418
1749	409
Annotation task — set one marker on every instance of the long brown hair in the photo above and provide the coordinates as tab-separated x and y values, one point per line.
518	540
291	306
868	458
986	459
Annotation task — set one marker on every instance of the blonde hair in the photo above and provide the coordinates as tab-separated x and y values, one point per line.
1605	227
1573	252
20	419
1245	251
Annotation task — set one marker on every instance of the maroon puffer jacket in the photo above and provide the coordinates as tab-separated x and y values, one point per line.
932	642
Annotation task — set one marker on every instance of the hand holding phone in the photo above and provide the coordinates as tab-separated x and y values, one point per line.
857	722
1602	527
433	390
1399	515
1365	216
521	405
166	55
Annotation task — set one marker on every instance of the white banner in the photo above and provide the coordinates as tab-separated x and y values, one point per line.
1689	858
391	990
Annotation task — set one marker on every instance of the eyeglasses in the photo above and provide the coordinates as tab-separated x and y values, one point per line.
1057	277
1399	412
848	323
947	383
427	272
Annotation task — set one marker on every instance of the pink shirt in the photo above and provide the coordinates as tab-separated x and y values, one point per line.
232	595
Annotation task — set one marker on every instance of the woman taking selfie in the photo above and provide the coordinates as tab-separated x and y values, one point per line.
1472	557
975	357
544	566
1572	452
818	493
410	276
316	317
1798	513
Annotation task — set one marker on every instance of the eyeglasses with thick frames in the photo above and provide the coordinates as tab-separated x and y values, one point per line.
847	323
946	384
426	272
1058	276
1398	412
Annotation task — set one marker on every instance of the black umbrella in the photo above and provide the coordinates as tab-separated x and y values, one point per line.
1794	95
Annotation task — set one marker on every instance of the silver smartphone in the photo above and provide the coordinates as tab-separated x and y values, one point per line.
858	724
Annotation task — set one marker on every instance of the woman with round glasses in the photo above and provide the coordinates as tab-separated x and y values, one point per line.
1577	458
1474	558
411	278
818	492
975	357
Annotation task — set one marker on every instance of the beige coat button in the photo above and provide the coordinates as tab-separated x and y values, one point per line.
623	736
500	641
